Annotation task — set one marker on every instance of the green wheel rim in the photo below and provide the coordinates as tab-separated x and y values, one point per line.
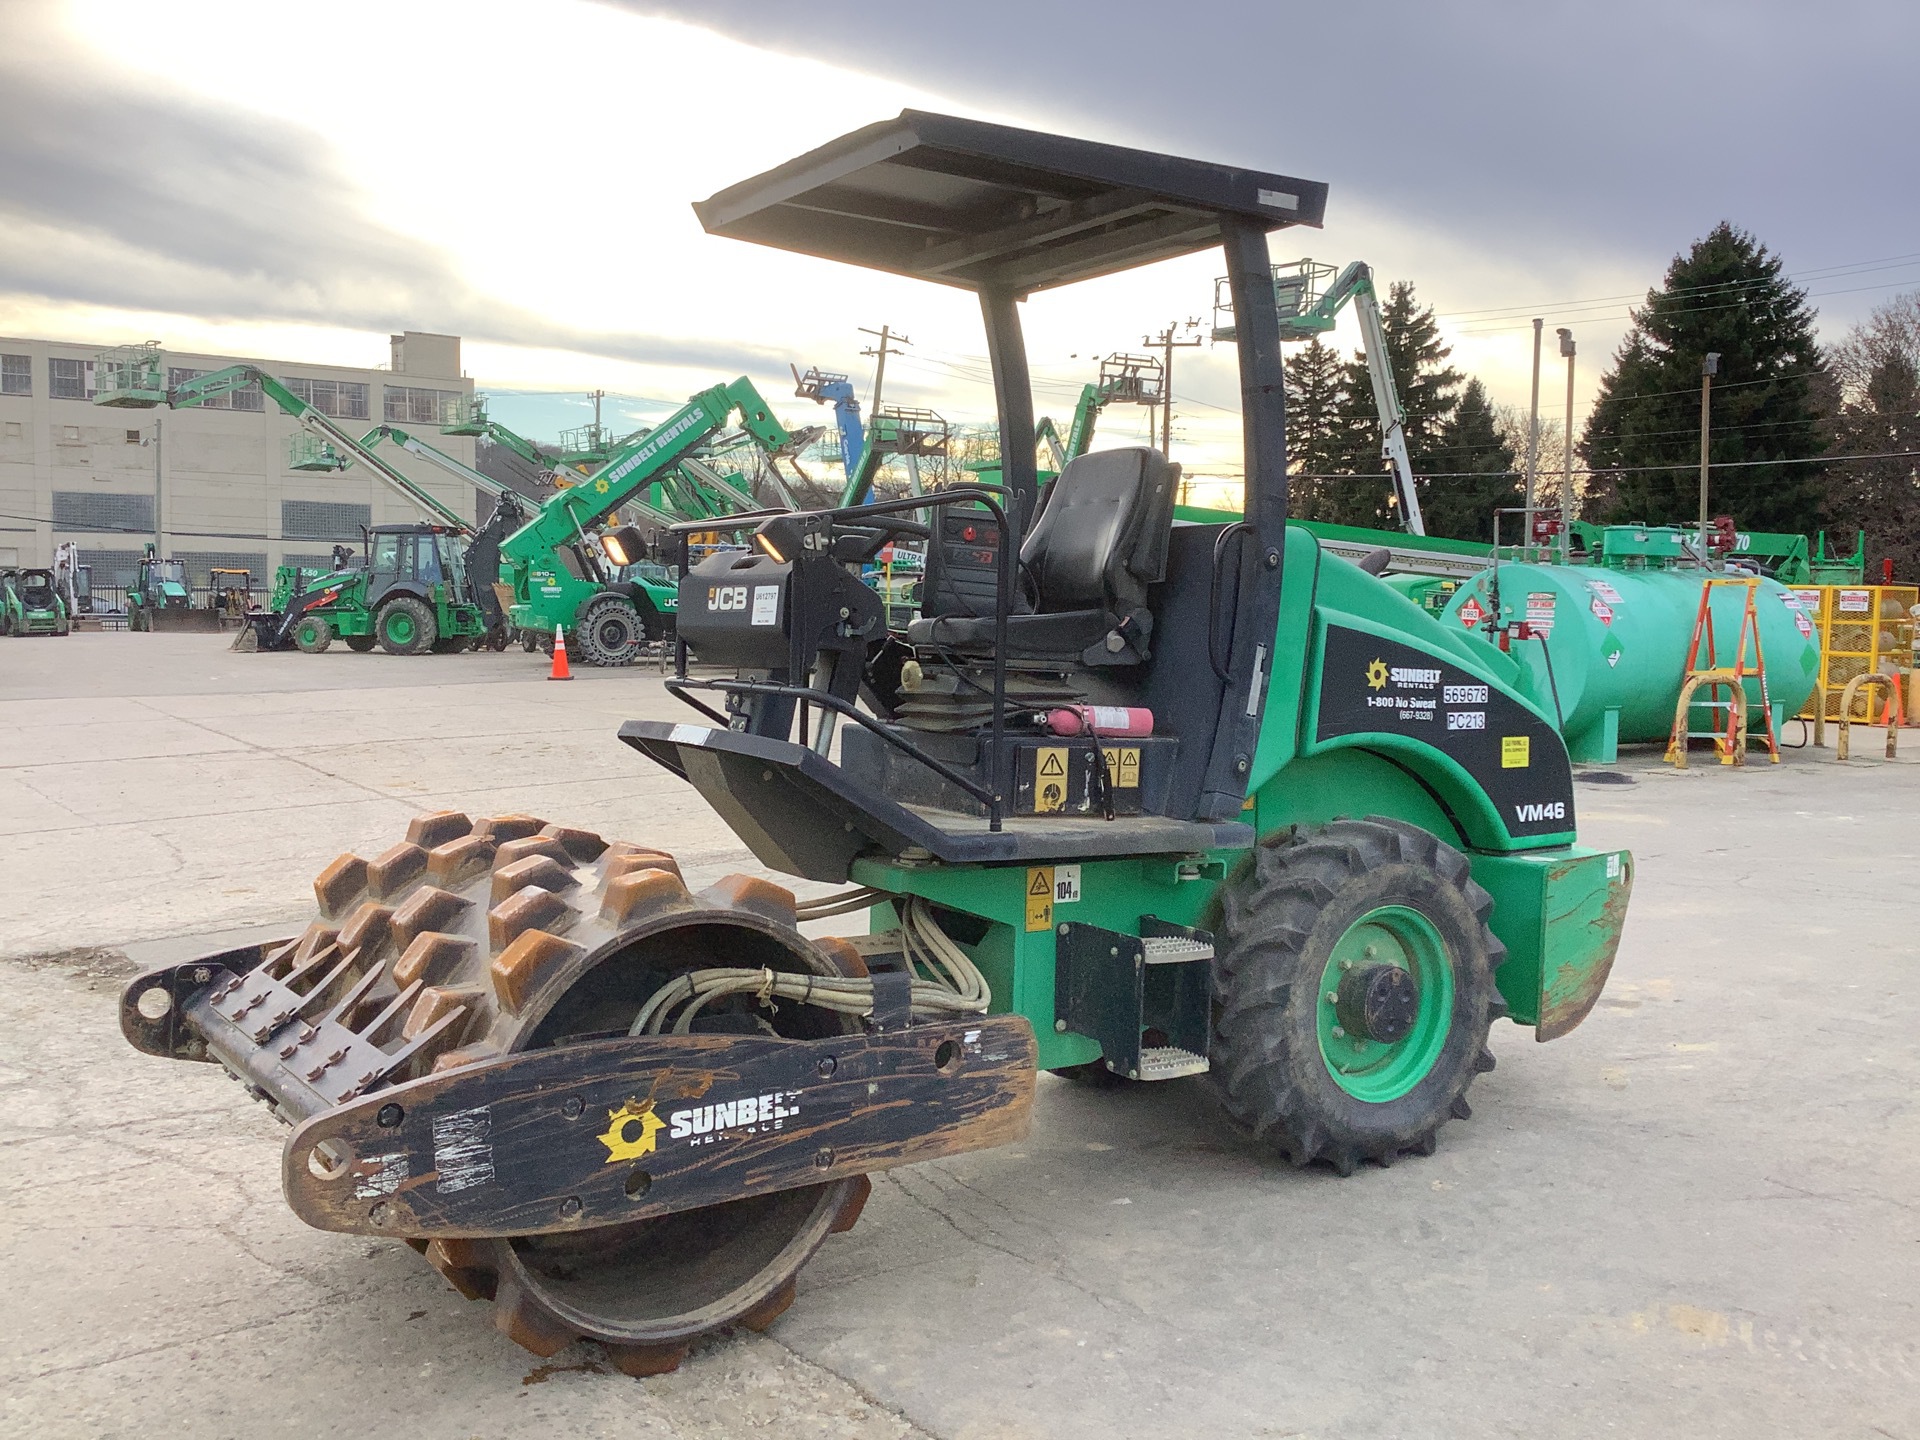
1369	1069
308	632
400	628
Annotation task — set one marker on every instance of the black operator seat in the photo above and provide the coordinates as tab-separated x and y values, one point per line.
1100	541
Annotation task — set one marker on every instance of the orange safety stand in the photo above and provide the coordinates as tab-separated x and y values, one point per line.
1729	739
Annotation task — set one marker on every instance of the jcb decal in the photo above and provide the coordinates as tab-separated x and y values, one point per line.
726	597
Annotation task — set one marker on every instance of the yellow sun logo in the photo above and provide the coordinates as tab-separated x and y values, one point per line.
1377	675
621	1141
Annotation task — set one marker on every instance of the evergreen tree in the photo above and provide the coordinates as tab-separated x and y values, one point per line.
1428	389
1316	443
1461	506
1729	295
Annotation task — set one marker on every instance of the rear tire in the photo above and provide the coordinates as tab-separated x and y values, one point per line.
405	626
359	644
1317	1048
610	632
312	635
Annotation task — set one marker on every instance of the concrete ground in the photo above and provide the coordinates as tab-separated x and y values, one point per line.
1699	1215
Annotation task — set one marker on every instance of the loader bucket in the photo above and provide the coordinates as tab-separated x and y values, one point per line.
259	632
188	620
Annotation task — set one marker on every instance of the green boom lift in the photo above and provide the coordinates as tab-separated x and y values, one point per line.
613	1107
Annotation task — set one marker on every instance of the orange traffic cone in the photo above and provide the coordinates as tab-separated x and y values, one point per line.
560	670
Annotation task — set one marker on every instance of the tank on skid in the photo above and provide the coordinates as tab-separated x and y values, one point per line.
1604	644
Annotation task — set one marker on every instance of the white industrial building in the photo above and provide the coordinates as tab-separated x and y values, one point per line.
211	485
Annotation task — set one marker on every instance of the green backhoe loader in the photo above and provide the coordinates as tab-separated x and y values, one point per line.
1132	799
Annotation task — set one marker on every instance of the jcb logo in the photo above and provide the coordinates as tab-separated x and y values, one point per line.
727	597
1549	810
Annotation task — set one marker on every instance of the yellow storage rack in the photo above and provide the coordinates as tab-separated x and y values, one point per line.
1864	630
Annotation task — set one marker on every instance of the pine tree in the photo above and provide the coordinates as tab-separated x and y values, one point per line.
1461	506
1729	295
1428	389
1316	444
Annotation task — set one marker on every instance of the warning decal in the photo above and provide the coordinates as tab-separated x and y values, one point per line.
1471	614
1050	780
1123	766
1040	897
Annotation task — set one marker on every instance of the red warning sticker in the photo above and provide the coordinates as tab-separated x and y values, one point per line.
1602	611
1471	614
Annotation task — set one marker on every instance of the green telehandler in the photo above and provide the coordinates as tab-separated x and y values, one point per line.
1130	798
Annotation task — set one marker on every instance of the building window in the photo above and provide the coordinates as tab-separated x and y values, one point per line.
70	379
342	399
111	567
411	405
91	510
133	437
323	520
200	565
247	397
16	374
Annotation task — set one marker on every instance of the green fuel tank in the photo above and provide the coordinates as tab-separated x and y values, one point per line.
1616	636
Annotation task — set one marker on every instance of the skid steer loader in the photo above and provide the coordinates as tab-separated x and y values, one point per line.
1339	850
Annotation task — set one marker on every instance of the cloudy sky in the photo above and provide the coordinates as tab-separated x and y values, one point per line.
294	182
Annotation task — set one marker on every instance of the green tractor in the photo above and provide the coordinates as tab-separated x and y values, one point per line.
405	594
30	604
159	600
1131	800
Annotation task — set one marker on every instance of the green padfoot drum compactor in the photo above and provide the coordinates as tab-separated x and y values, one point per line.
1331	845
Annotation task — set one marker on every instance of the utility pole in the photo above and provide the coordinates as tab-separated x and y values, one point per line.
159	525
1533	425
596	416
1566	458
1709	367
886	337
1168	345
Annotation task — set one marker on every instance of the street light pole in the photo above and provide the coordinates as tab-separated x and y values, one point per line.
1709	367
1566	459
1533	426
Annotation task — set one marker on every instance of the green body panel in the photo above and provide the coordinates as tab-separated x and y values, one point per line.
1321	590
1560	915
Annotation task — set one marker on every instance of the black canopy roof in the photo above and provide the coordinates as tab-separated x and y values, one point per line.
988	206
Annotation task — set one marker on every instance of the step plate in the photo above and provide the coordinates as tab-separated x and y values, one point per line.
1168	1062
1175	949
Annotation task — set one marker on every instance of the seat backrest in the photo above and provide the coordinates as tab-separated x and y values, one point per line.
1101	538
